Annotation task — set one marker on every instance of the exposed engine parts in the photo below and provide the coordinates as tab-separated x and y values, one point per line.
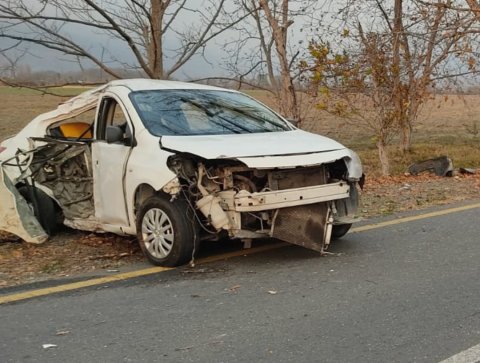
299	205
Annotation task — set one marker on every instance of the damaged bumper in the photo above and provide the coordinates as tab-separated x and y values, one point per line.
297	205
254	202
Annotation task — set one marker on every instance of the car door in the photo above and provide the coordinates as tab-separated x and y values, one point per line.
110	152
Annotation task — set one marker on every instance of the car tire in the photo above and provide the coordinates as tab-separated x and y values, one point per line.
340	230
44	210
166	234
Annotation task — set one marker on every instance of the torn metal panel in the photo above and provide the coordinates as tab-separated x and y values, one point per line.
38	126
17	216
64	168
305	226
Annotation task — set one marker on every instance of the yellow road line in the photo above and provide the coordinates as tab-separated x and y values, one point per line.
129	275
80	284
153	270
414	218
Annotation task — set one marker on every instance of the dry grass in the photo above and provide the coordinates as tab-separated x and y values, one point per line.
442	128
20	105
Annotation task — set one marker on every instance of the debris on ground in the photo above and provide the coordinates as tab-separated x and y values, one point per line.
234	289
441	166
467	171
68	253
48	346
387	195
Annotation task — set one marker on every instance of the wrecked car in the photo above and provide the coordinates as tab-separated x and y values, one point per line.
174	164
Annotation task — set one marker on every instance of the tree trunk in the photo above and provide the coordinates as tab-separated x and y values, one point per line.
406	127
383	156
288	98
406	137
155	46
398	91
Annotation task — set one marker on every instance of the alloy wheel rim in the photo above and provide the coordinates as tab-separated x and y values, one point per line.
157	233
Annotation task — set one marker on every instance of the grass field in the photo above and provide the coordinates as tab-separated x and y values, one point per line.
442	128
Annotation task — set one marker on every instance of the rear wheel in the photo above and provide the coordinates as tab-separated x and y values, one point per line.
44	208
165	233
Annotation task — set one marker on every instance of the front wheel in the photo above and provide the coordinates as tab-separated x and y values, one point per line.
165	233
340	230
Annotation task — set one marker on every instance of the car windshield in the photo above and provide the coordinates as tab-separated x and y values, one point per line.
203	112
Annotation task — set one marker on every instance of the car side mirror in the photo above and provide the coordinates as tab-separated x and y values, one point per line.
114	134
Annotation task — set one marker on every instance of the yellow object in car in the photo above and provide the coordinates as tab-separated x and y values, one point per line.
76	129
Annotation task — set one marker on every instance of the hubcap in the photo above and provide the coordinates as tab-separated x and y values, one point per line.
157	233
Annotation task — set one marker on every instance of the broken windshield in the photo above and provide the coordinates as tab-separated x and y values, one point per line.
203	112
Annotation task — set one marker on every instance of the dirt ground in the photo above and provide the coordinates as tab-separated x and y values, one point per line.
442	129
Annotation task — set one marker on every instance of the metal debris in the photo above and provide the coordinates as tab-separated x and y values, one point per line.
467	171
441	166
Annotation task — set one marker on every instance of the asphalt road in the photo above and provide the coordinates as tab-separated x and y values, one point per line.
402	293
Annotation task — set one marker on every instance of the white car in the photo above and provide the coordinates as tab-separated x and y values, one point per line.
175	163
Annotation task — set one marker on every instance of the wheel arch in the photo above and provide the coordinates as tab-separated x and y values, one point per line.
145	191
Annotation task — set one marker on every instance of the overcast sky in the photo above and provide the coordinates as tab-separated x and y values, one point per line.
40	58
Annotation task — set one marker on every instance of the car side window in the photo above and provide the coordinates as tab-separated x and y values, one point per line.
118	117
112	123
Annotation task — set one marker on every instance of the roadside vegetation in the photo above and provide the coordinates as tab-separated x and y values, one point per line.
443	127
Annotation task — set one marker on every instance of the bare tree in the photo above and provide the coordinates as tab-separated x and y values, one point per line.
266	53
430	48
161	36
394	63
279	24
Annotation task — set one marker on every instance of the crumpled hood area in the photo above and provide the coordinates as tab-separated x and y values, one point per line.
286	149
251	145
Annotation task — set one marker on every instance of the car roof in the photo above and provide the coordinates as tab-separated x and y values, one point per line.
144	84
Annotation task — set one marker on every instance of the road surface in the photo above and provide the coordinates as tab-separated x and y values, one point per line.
402	292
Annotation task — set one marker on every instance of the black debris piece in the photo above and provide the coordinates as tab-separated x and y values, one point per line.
441	166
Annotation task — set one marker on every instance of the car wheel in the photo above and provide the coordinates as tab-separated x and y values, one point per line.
340	230
165	233
44	210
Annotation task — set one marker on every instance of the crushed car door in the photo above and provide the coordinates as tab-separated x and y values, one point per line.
110	153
